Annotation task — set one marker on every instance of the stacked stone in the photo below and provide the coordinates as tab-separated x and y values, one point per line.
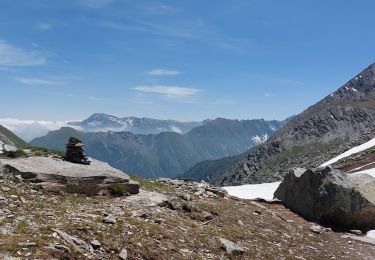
75	152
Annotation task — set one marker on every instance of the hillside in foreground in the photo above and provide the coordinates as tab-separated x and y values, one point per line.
166	220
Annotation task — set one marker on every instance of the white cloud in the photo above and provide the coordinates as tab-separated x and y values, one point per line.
13	56
43	26
34	81
30	129
169	91
95	3
164	72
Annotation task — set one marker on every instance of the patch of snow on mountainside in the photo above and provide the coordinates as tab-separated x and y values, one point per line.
6	147
259	139
253	191
175	129
128	122
371	233
351	151
370	172
94	123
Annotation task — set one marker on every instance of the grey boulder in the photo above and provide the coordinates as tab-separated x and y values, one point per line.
231	248
330	197
61	176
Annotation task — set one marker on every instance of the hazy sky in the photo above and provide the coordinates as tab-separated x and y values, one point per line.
185	59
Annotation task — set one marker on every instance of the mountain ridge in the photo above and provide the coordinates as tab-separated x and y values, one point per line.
340	120
165	154
98	122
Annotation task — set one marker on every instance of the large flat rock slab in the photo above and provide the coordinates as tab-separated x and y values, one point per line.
61	176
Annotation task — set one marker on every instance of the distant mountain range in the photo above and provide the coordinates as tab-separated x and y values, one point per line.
167	154
100	122
341	120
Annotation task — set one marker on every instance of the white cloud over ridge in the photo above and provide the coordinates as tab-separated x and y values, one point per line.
169	91
43	26
30	129
35	81
13	56
164	72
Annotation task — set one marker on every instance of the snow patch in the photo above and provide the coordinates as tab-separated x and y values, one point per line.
354	89
175	129
259	139
94	123
253	191
7	148
370	172
351	151
371	233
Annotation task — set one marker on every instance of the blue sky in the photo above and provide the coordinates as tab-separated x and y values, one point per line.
185	60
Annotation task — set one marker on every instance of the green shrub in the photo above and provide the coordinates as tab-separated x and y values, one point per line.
117	189
15	154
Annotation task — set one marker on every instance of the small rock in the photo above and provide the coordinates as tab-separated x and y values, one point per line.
315	229
356	232
240	222
208	216
3	188
123	255
23	200
158	221
26	244
186	197
177	204
231	248
95	244
109	220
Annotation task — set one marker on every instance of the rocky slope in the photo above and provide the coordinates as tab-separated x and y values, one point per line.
166	154
341	120
7	137
166	220
211	170
9	141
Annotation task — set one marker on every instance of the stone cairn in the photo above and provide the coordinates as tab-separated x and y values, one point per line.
75	152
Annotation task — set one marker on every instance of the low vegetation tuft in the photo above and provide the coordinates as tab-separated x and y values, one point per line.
118	189
15	154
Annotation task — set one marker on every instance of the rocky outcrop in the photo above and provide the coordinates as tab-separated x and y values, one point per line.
343	119
330	196
61	176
